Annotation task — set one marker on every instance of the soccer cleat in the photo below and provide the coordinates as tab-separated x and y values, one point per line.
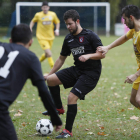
65	134
59	111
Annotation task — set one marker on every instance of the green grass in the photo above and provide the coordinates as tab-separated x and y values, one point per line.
106	110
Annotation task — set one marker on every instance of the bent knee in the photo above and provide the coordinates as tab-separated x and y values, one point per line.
53	80
72	98
50	81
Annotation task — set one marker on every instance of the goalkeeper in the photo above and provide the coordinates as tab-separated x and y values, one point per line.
45	30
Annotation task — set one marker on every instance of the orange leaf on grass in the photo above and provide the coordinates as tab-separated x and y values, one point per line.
101	133
101	127
122	110
23	124
117	129
108	109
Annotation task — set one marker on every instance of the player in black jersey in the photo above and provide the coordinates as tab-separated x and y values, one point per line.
82	77
17	64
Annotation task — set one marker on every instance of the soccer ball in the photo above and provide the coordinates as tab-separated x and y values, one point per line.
44	127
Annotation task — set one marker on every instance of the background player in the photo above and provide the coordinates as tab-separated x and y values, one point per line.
83	77
131	16
45	30
17	64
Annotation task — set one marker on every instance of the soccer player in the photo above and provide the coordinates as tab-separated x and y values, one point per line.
45	30
82	77
17	64
131	16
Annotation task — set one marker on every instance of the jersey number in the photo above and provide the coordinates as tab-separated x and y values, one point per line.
4	71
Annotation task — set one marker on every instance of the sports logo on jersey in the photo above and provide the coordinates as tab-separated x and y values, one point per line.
78	50
81	39
70	40
49	17
46	22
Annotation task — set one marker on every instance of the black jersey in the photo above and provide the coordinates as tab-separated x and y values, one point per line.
85	42
17	64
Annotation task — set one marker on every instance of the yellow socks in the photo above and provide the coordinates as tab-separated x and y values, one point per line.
51	62
42	58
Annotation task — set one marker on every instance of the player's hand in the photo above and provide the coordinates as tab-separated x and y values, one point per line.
130	79
83	58
102	49
45	76
56	32
58	127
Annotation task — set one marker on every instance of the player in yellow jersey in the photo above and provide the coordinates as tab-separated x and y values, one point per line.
131	15
45	30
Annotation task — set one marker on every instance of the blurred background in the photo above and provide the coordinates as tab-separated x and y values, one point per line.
87	15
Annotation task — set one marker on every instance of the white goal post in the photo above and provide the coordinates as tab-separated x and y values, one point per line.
73	4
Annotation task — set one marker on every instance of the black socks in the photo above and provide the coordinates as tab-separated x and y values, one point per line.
71	113
55	92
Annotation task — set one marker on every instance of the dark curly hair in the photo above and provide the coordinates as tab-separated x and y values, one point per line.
71	14
131	10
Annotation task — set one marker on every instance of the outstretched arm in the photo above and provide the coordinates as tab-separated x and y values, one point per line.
117	42
131	78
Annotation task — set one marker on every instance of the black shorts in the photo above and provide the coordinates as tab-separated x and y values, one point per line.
81	81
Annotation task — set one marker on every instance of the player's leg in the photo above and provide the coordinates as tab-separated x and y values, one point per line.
46	46
65	77
135	94
133	97
50	59
138	97
7	130
71	111
53	84
48	54
83	86
70	117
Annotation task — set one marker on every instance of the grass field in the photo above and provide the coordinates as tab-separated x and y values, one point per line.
106	113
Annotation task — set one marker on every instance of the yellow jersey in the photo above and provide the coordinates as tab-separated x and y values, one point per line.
136	43
45	25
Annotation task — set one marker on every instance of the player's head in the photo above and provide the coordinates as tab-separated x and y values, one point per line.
72	20
45	7
130	13
21	33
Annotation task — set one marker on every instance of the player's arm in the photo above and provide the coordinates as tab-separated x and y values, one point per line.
48	103
131	78
32	25
117	42
58	64
57	29
95	56
35	74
